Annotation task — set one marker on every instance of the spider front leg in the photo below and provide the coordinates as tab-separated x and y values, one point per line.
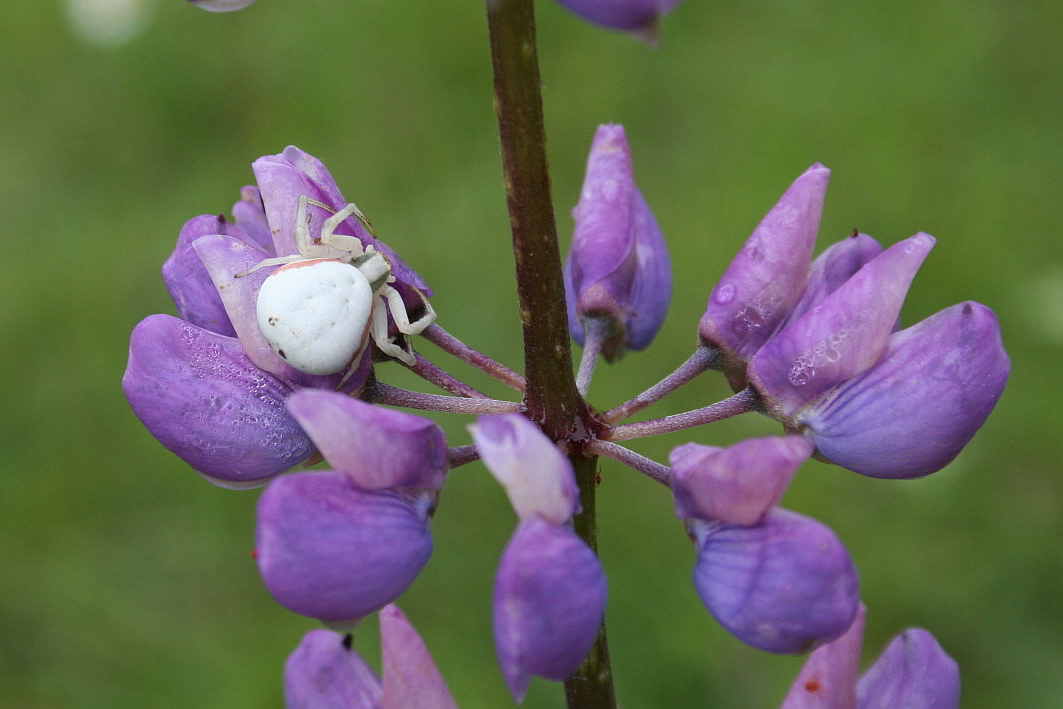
379	332
348	246
402	319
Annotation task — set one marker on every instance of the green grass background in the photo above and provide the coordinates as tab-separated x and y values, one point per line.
126	580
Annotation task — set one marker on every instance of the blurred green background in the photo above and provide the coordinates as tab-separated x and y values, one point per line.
126	580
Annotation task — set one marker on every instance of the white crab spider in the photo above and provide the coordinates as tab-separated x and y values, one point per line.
318	310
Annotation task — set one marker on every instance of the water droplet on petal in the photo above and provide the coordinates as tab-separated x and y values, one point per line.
724	294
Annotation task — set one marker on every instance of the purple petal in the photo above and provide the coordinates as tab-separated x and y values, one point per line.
785	585
620	14
536	475
738	484
548	604
832	268
325	673
221	5
411	679
767	276
188	282
331	551
199	395
914	411
250	215
653	278
284	178
841	337
378	448
828	678
913	673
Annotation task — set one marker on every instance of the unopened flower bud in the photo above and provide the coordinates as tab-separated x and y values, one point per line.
537	477
378	448
325	672
785	585
737	484
617	273
331	551
766	277
548	604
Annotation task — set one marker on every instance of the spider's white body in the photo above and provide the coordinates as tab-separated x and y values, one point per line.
319	309
315	314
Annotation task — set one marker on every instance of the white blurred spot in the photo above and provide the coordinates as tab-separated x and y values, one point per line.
1042	304
108	23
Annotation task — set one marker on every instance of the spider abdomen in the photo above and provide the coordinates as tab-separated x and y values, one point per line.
315	314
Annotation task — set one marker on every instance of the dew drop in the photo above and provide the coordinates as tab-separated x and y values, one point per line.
724	294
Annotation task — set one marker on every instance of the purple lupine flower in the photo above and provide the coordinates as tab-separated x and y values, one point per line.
548	604
208	275
766	278
378	448
737	484
617	271
325	672
537	477
784	585
331	551
630	15
883	403
221	5
410	677
914	672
